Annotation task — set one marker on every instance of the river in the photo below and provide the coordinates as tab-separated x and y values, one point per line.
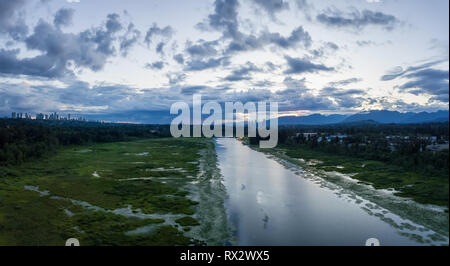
269	204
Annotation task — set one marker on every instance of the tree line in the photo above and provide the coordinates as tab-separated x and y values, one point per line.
402	145
22	140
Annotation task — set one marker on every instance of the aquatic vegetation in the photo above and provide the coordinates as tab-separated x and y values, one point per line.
187	221
36	197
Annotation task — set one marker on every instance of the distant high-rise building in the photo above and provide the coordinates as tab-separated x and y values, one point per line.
51	116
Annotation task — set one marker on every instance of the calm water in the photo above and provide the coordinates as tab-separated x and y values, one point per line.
270	205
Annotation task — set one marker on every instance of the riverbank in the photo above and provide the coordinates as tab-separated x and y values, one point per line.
335	174
123	193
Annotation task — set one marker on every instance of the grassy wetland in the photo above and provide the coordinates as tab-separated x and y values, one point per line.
121	193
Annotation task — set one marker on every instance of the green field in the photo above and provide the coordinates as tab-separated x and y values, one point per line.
103	194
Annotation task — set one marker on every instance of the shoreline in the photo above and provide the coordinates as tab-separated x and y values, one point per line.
431	217
209	191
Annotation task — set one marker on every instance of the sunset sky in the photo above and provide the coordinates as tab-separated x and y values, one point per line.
112	56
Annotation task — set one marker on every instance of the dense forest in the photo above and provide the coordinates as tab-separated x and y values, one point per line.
24	139
402	145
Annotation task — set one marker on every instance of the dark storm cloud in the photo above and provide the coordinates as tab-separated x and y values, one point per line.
166	32
299	66
11	19
63	17
243	72
272	6
357	19
61	51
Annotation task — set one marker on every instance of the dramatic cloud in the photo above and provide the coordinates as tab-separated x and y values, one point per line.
61	52
423	80
156	65
272	6
299	66
298	37
41	57
179	58
63	17
328	48
198	65
190	90
331	91
104	38
175	78
224	18
202	48
344	98
297	96
429	81
344	82
399	71
11	22
154	31
357	19
130	38
242	73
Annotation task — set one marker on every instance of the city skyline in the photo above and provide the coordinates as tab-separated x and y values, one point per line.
42	116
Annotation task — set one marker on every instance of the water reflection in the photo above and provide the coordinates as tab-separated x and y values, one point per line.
270	205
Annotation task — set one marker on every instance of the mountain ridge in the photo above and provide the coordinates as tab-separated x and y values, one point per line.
378	116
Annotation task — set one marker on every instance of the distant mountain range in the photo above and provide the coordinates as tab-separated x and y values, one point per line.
382	116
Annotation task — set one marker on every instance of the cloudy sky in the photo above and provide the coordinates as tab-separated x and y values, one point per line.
114	56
